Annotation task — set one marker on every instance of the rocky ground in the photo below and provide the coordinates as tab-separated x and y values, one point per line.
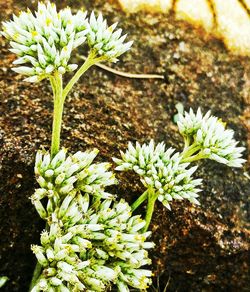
198	248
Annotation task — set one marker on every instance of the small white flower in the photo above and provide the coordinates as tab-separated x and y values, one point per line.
45	240
106	273
40	209
39	253
63	174
55	281
65	203
189	123
50	254
65	267
43	284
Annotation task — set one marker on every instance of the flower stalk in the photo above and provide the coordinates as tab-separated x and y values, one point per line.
139	201
190	150
152	197
90	61
57	87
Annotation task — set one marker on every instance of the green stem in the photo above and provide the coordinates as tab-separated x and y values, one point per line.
35	276
139	201
196	157
91	60
189	151
187	142
150	208
56	83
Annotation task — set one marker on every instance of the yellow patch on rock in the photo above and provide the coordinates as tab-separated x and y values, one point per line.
233	25
133	6
196	12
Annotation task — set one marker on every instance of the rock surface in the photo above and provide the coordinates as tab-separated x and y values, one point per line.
198	248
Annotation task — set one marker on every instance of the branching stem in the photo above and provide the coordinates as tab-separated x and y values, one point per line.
152	196
189	151
139	201
196	157
90	60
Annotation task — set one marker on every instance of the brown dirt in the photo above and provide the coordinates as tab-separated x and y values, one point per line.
198	248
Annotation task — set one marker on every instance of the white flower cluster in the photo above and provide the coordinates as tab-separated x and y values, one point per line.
65	175
91	241
44	41
105	40
103	247
211	139
161	171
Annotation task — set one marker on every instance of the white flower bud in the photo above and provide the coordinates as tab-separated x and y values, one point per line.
65	267
40	209
39	253
24	70
55	281
65	203
50	254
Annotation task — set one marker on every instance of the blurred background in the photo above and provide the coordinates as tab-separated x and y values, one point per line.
228	20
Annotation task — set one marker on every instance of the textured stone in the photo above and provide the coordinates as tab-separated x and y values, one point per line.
198	248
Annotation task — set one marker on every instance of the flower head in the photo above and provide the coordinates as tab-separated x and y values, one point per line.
211	139
189	123
161	171
63	176
105	40
104	246
44	41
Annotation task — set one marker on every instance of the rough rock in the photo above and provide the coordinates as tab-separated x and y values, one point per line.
198	248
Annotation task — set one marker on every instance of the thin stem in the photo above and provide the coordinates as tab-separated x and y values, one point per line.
187	143
91	60
53	85
196	157
36	274
150	208
56	83
187	152
139	201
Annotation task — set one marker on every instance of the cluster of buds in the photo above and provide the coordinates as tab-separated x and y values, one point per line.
44	41
104	40
166	173
103	247
64	176
91	241
209	138
161	171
